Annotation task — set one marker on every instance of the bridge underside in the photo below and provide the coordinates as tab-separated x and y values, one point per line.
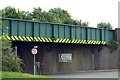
82	57
61	47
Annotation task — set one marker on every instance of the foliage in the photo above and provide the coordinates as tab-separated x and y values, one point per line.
54	15
39	15
9	12
0	13
58	15
10	62
104	25
113	45
22	75
79	22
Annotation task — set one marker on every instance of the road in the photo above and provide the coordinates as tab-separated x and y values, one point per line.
89	74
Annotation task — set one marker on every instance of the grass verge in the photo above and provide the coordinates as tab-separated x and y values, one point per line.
18	75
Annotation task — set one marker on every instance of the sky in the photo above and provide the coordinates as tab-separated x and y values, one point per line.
92	11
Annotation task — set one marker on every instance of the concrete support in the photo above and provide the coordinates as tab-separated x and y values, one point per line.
118	39
118	34
84	57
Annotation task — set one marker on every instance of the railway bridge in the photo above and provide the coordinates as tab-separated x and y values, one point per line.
61	47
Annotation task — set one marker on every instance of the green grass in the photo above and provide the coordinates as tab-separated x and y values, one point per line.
21	75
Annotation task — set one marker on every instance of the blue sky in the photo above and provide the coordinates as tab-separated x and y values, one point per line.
93	11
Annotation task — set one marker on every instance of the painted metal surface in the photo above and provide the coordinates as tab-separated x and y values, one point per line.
23	30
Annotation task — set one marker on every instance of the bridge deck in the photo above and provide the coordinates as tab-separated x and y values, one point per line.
23	30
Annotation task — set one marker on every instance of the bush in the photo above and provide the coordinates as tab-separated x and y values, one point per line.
113	45
10	62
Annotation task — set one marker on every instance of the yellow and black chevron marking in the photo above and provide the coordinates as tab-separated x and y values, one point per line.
103	42
58	40
26	38
62	40
79	41
5	37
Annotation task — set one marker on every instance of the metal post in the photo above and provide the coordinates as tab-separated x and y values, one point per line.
15	50
34	65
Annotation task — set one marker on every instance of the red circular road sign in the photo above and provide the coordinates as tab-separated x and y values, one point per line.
34	51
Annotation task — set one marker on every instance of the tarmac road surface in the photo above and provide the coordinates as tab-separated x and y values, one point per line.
87	74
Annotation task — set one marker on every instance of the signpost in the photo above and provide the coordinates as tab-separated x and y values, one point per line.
34	52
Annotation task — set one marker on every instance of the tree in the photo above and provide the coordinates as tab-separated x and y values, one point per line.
54	15
80	23
39	15
58	15
104	25
0	13
26	15
10	62
9	12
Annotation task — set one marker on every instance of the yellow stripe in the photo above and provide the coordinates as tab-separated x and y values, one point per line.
43	39
39	39
73	41
57	40
81	41
8	37
84	41
0	37
46	39
89	41
28	38
63	40
78	41
60	40
54	40
20	38
99	42
103	42
24	38
94	42
35	39
16	37
31	38
12	38
49	39
67	41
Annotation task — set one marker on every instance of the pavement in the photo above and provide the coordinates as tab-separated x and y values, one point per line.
87	74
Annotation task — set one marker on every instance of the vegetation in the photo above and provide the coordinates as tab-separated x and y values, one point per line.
104	25
22	75
113	45
10	61
55	15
